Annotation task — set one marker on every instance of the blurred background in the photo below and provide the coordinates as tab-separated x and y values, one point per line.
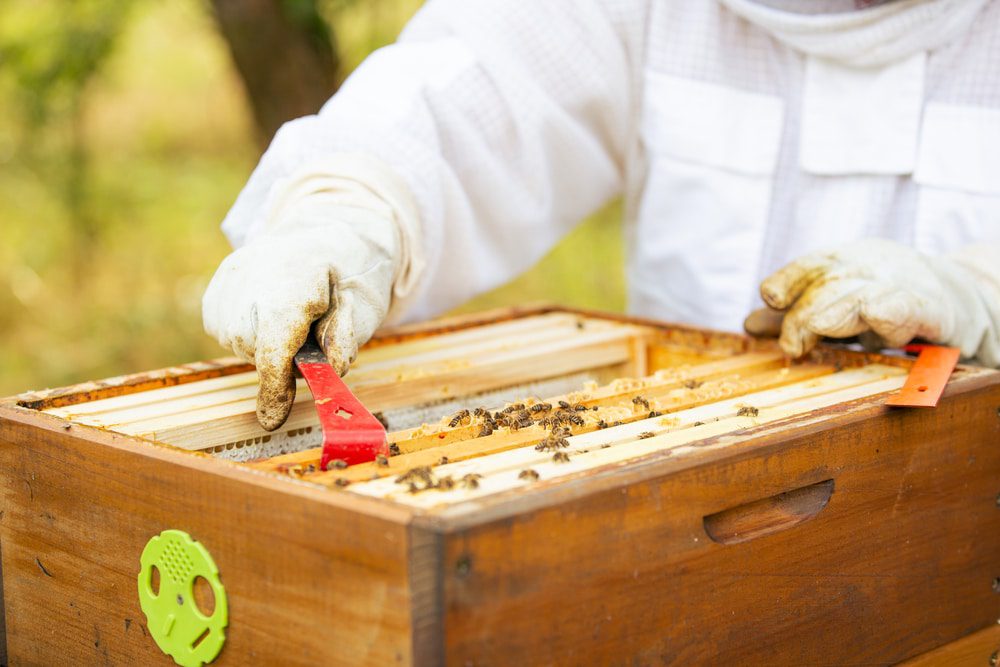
127	129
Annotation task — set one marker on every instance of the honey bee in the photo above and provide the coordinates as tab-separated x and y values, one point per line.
443	460
459	417
528	474
487	429
381	420
639	400
646	434
654	413
575	419
698	424
551	443
471	481
560	457
418	473
747	411
394	449
422	478
336	464
554	440
601	424
481	412
310	468
541	407
580	407
381	461
564	405
341	482
692	384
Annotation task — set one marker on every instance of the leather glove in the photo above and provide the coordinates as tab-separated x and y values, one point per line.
881	287
330	252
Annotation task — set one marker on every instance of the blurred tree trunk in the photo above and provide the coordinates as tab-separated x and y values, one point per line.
285	54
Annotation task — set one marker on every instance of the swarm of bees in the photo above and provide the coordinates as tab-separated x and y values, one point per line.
517	416
558	417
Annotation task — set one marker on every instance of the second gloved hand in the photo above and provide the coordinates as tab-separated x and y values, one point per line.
893	291
324	258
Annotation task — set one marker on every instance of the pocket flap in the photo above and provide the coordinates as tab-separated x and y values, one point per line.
712	124
960	148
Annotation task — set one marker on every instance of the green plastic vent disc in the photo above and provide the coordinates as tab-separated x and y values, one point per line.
169	566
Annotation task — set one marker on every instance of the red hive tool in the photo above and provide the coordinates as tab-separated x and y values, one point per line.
350	432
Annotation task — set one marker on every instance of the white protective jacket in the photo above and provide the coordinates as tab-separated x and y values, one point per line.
741	137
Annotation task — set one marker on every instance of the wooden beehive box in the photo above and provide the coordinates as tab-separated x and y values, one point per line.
711	502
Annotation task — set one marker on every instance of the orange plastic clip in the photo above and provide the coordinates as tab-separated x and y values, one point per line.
928	377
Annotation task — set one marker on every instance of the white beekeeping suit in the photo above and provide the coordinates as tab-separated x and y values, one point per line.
743	136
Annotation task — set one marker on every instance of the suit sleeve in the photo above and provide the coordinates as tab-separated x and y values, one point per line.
508	120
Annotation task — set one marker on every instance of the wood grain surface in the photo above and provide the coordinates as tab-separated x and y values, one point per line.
312	577
976	650
620	569
896	558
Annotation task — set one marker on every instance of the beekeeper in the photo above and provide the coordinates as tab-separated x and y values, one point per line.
859	149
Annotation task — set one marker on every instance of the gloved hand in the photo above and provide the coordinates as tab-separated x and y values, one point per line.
330	252
892	291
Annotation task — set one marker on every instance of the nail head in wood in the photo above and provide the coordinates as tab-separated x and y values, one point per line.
463	566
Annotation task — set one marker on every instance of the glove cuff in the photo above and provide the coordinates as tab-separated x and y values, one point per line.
362	189
971	277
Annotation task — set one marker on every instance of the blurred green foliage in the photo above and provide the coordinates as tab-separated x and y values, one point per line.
125	139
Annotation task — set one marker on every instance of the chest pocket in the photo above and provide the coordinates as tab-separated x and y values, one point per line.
958	173
712	152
